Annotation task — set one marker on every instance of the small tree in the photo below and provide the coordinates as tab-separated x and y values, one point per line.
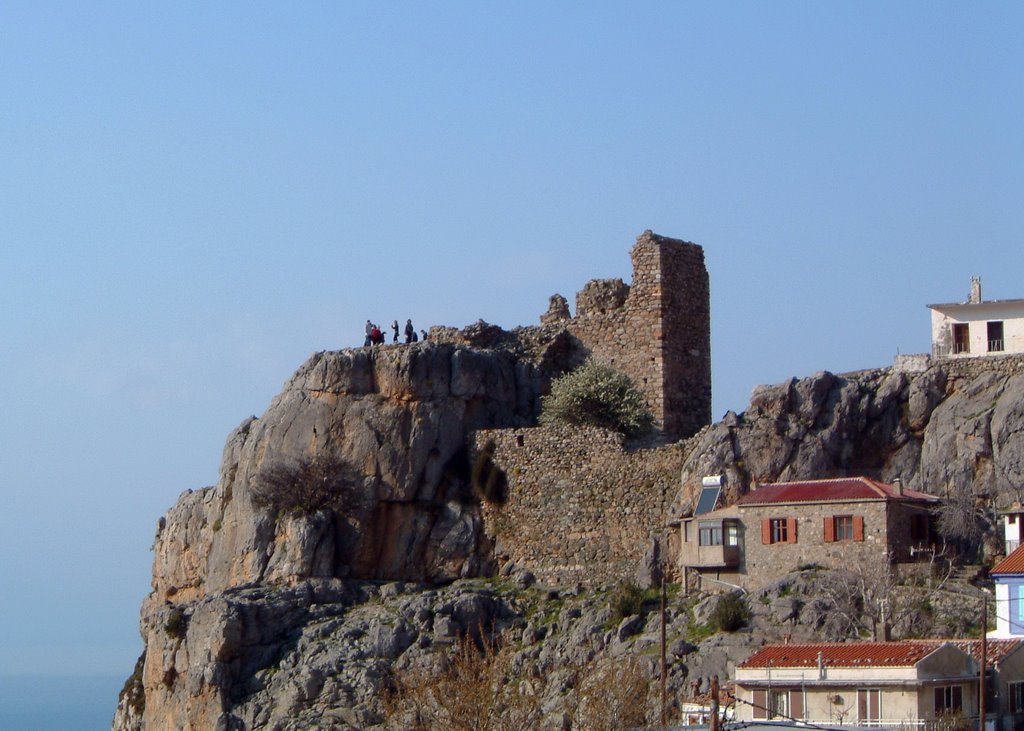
869	597
596	394
308	485
609	694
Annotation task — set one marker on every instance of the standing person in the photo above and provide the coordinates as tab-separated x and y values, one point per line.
369	330
394	326
376	336
409	331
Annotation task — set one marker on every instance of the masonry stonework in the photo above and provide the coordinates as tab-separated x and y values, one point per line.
657	330
581	508
810	547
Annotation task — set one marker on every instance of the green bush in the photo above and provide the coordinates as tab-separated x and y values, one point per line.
626	600
596	394
730	613
176	624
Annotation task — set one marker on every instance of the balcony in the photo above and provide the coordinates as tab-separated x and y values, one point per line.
710	557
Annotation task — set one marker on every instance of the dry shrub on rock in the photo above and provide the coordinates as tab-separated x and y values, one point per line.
309	485
609	694
478	688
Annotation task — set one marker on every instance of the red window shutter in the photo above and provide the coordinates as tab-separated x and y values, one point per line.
766	531
796	703
760	704
858	527
830	529
791	529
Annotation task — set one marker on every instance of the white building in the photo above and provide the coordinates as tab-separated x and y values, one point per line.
975	327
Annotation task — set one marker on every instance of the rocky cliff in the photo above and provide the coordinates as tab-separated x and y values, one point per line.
265	618
952	429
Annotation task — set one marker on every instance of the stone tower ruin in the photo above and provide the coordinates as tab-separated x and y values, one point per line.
657	329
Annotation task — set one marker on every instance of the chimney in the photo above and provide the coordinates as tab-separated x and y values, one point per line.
975	298
821	665
898	486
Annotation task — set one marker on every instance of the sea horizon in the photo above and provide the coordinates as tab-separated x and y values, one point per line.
35	702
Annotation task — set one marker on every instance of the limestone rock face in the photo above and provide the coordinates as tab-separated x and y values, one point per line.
268	619
399	417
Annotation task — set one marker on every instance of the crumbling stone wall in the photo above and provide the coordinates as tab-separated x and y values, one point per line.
581	508
657	329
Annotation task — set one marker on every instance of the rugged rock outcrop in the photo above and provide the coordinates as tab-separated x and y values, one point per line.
265	619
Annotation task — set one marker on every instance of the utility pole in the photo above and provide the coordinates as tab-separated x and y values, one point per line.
984	661
714	703
664	673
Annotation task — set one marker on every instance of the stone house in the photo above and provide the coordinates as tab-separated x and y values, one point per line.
777	528
976	328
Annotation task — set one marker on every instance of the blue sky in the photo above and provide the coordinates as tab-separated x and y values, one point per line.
195	197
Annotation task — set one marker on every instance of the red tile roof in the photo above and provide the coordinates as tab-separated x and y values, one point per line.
1012	564
841	489
841	655
996	651
904	653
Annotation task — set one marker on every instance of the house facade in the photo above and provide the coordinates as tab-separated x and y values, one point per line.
1008	575
977	328
775	529
897	684
1013	519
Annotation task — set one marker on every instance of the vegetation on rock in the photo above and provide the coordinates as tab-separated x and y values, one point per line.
595	394
730	613
308	486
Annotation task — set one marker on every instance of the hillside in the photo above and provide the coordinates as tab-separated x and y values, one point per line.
264	617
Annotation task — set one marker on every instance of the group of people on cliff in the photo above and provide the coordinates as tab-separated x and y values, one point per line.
375	335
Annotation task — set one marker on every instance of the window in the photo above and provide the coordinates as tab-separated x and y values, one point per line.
961	338
844	528
787	703
995	336
732	534
778	530
948	699
710	533
1015	697
869	704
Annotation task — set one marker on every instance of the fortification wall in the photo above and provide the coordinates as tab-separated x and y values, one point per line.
580	508
657	330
